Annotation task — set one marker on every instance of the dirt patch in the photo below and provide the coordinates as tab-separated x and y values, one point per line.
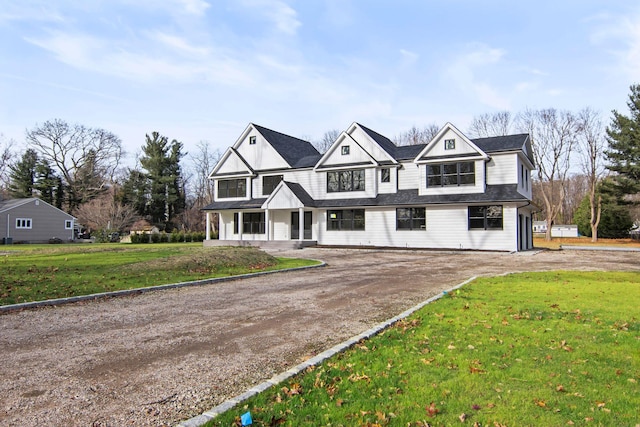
158	358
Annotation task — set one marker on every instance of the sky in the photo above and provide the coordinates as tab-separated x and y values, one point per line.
202	70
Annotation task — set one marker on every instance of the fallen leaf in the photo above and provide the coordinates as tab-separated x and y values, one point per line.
462	417
339	402
432	410
560	388
541	403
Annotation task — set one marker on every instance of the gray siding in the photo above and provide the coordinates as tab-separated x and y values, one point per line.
46	222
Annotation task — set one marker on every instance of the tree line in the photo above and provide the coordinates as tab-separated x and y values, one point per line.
586	173
78	169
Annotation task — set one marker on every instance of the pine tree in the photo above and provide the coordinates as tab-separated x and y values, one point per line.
22	175
161	161
624	146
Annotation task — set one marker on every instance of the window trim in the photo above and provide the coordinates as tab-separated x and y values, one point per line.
252	140
412	219
385	175
441	176
68	224
344	177
227	189
486	219
345	150
24	223
273	185
450	144
346	224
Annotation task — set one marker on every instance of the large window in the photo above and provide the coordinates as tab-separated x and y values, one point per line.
232	188
269	183
252	223
411	219
347	219
485	217
451	174
352	180
23	222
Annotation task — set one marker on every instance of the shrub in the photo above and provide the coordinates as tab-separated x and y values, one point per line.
164	237
187	237
155	237
175	237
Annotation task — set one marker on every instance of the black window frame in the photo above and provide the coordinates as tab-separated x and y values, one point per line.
252	223
227	191
451	174
346	180
414	218
346	220
486	217
385	175
345	150
274	180
252	140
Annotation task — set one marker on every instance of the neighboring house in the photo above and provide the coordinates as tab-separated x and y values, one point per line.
452	193
540	227
34	221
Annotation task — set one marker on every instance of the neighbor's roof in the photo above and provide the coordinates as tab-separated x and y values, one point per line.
6	205
298	153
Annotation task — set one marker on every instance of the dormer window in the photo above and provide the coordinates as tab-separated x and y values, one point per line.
252	140
449	144
451	174
345	150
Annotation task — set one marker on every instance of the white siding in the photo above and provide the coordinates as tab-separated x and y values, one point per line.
233	165
437	147
260	155
408	176
503	169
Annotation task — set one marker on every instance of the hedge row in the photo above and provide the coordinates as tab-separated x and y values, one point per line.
197	236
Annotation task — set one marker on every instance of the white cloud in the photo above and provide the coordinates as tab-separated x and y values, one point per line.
620	35
283	16
465	69
195	7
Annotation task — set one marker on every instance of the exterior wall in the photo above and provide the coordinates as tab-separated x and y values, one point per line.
47	222
503	169
409	176
478	187
446	228
524	179
260	155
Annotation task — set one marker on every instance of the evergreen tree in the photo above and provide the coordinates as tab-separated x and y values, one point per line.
615	219
47	183
624	146
22	175
165	194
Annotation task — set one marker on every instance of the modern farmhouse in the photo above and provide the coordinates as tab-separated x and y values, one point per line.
452	193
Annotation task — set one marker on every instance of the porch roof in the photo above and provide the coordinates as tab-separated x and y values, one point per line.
492	194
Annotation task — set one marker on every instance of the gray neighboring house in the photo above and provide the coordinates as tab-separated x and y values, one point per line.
33	221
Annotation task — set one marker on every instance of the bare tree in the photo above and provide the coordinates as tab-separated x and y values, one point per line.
591	147
204	159
327	140
553	135
86	158
416	136
491	124
104	212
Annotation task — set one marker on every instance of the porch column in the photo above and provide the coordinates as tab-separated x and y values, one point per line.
300	224
240	225
208	221
267	226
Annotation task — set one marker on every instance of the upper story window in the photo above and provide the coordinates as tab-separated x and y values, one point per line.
451	174
345	150
252	140
269	183
485	217
24	223
352	180
347	219
232	188
411	219
385	175
449	144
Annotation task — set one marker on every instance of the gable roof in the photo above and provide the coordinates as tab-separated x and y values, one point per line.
7	205
385	143
505	143
297	152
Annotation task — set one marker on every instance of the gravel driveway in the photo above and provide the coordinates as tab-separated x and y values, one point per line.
158	358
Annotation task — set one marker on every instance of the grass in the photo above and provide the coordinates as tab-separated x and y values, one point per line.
547	349
38	272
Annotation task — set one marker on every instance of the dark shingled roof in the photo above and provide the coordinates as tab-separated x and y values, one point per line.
385	143
493	194
296	152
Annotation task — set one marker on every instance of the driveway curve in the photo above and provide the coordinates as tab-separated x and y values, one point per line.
158	358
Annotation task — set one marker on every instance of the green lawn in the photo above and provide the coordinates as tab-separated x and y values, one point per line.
538	349
39	272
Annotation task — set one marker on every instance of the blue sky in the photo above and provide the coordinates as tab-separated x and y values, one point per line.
203	69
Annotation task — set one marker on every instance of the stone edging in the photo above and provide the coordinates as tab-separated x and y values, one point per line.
203	418
125	292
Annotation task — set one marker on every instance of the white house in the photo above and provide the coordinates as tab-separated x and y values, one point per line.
452	193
